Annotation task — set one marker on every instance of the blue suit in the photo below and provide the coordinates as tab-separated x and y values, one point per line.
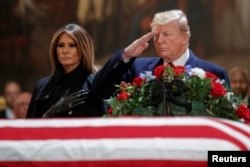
115	71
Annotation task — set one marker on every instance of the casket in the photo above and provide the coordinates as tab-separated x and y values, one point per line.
117	142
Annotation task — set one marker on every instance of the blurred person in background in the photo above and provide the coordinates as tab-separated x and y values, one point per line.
12	89
239	81
66	92
2	103
21	104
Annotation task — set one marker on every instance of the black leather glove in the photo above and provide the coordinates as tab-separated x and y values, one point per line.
66	103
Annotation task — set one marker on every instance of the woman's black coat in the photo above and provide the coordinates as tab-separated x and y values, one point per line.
50	89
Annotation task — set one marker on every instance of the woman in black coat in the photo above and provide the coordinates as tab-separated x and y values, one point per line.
67	91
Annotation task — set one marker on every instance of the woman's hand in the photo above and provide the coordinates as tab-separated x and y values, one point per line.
66	103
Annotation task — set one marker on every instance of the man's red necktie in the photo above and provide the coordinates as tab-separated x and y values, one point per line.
170	64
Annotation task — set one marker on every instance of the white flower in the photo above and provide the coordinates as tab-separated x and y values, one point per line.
229	96
198	72
148	75
142	76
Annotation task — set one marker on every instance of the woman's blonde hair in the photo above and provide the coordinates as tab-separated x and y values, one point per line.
84	45
172	15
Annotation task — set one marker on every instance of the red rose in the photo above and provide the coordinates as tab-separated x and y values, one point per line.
211	75
247	122
217	89
110	110
123	96
158	71
179	70
243	112
138	81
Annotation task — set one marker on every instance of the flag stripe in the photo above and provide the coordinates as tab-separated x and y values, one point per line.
112	149
121	121
117	132
116	163
108	132
237	126
112	141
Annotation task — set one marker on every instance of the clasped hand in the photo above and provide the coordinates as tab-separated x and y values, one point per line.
66	103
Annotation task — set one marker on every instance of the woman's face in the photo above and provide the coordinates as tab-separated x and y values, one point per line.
67	52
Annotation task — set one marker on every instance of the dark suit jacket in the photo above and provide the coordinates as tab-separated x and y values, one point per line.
115	70
3	114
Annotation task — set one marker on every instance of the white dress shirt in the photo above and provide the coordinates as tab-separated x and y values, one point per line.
181	61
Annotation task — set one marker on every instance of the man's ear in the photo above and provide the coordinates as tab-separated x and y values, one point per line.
185	38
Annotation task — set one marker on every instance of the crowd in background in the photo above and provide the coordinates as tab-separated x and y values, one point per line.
15	101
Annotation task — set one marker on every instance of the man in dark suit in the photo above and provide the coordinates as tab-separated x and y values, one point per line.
171	34
11	91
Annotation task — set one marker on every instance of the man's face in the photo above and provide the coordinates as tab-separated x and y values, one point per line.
21	105
170	42
239	83
12	90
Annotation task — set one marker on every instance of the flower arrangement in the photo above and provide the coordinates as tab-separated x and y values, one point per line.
175	91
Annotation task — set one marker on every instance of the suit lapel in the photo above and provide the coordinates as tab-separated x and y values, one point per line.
154	64
192	59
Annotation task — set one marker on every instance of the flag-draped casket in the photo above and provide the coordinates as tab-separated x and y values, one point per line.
124	141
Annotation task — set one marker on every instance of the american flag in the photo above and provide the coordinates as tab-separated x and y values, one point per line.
118	142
